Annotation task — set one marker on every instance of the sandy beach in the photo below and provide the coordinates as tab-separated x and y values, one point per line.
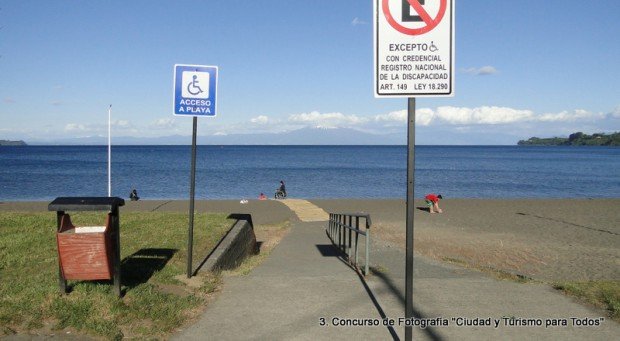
550	240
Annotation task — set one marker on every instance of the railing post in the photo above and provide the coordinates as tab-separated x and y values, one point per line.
340	231
339	224
349	246
367	247
330	226
357	227
343	246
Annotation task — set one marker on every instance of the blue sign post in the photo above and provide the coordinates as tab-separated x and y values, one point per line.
195	90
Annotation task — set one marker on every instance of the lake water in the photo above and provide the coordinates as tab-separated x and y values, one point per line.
237	172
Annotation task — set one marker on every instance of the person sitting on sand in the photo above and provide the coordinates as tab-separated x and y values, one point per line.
262	196
134	195
432	201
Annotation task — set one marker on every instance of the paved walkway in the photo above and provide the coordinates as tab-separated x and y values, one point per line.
305	282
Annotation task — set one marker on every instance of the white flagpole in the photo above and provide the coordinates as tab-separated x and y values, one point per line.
110	151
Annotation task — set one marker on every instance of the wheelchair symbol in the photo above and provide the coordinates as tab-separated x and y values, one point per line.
193	87
195	84
433	47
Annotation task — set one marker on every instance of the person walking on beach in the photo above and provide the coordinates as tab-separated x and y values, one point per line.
432	201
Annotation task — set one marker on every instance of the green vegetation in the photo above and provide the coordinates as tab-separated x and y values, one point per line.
603	294
576	139
153	250
270	236
12	143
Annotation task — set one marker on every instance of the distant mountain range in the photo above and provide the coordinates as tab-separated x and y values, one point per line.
304	136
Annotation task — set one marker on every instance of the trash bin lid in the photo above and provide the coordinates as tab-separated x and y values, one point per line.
86	204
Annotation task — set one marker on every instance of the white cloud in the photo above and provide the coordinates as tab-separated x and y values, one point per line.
488	124
261	119
328	120
76	127
482	115
570	116
8	100
394	116
121	124
423	117
482	71
357	21
164	123
118	127
487	70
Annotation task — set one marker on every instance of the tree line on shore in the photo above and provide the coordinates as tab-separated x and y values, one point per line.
12	143
575	139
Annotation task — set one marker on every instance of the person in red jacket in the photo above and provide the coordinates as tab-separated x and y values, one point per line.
432	200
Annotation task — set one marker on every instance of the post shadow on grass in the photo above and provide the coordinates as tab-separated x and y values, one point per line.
139	267
236	217
136	269
336	252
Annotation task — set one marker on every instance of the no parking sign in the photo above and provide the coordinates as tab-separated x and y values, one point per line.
414	48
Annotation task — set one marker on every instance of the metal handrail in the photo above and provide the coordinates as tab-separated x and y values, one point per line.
338	227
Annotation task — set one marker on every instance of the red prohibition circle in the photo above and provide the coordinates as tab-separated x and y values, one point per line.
430	22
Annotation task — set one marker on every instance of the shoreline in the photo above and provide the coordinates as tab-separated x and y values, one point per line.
544	239
30	204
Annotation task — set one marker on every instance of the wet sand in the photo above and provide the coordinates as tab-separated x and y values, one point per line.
550	240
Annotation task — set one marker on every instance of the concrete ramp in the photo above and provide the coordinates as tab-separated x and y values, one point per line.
305	210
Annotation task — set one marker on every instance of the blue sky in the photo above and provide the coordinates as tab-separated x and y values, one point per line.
523	68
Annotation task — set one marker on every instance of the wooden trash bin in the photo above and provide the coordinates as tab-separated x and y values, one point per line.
88	252
85	253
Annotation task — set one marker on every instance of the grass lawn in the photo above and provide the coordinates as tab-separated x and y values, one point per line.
153	253
603	294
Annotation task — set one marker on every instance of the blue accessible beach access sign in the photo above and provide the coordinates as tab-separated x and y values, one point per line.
195	90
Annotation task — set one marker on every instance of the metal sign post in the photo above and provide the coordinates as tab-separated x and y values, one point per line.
194	94
409	219
192	191
414	57
110	151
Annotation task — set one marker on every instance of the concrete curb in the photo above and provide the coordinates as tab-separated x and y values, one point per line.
237	244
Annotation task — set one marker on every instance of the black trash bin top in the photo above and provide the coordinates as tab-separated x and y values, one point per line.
86	204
